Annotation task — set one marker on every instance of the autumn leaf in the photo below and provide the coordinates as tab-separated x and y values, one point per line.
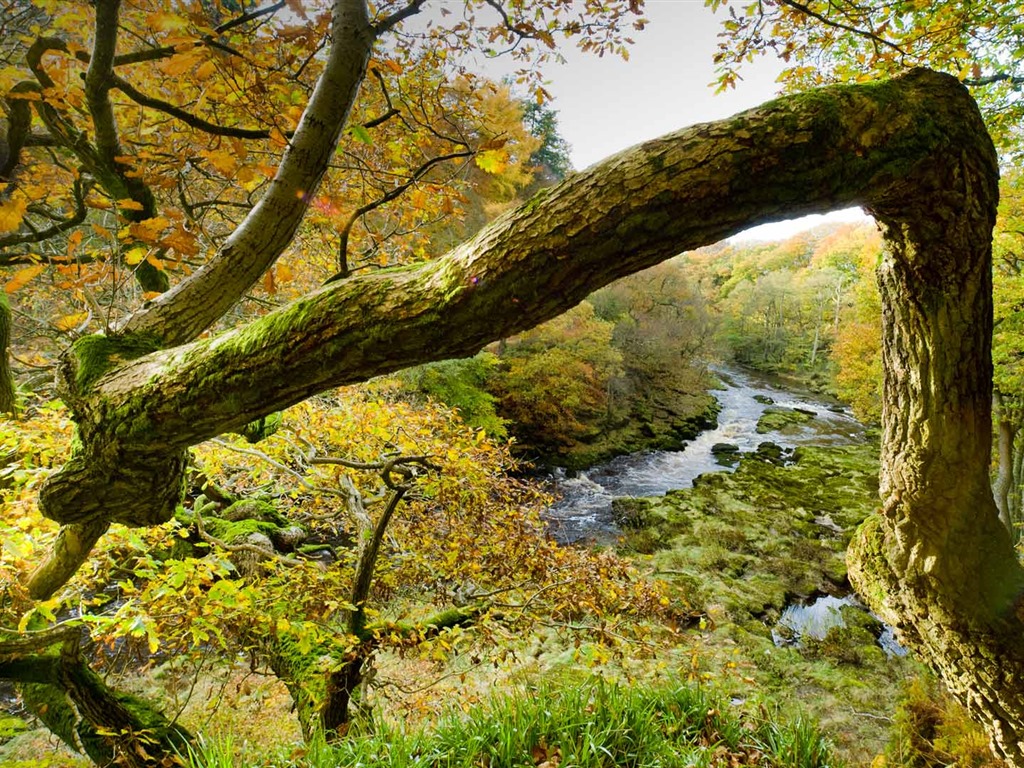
181	241
495	143
135	256
204	70
127	204
149	230
223	161
11	214
161	21
72	321
492	160
180	63
22	277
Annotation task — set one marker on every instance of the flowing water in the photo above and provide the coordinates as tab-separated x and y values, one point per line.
584	511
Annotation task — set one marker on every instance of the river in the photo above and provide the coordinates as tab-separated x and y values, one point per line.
584	511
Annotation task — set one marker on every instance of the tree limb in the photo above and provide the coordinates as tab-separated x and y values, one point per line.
191	306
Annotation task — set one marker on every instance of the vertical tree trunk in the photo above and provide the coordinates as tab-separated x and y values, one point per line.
1007	435
937	561
7	396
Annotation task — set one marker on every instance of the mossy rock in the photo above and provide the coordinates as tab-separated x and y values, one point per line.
783	420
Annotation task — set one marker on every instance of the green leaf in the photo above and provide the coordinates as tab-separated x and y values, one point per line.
361	134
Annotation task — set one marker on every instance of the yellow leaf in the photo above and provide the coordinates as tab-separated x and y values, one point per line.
180	63
283	625
135	256
127	204
205	69
70	322
492	160
22	277
11	214
161	21
224	162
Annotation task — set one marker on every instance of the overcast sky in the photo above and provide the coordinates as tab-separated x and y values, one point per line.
606	104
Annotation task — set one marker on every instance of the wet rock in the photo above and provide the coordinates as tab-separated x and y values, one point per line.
784	420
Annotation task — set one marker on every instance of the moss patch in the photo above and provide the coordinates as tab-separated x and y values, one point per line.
784	420
755	538
96	354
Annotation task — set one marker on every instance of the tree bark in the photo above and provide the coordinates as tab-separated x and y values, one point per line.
937	561
1007	429
8	399
76	705
914	151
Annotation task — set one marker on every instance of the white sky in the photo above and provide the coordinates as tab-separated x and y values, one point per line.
606	104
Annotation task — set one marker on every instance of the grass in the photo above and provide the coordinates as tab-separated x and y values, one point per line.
592	725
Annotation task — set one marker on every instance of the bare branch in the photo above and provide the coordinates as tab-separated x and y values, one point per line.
399	16
186	117
398	191
878	40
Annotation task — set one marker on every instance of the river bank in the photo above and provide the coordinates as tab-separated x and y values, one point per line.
751	522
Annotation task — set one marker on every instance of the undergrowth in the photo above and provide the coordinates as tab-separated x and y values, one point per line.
594	725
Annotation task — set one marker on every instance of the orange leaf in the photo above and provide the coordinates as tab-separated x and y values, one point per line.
127	204
205	69
268	282
224	162
180	63
11	214
148	230
182	241
74	240
22	277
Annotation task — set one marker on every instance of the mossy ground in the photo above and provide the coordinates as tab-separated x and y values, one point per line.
745	544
